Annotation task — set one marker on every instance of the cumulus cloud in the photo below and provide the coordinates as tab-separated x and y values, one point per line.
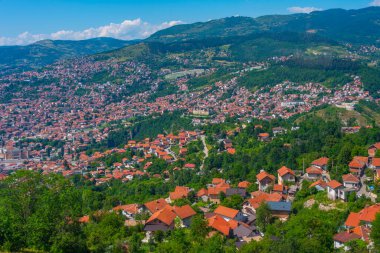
375	3
297	9
126	30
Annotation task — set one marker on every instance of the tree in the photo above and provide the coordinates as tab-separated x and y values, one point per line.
375	234
264	216
199	226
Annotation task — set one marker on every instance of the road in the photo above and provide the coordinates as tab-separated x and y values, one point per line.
205	150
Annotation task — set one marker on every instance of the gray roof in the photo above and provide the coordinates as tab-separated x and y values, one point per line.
280	206
236	191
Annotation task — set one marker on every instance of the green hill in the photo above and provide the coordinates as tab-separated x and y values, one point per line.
48	51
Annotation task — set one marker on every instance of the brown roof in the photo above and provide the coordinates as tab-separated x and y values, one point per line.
226	211
346	236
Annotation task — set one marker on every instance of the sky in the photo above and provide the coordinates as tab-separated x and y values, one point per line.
26	21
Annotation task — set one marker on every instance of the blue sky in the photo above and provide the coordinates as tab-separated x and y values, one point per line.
25	21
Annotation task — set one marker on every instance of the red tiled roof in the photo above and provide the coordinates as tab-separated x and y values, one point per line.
156	205
368	214
278	188
320	182
334	184
285	170
314	170
165	215
131	208
202	192
226	211
263	175
219	224
184	212
376	162
323	161
84	219
218	181
350	178
244	184
353	220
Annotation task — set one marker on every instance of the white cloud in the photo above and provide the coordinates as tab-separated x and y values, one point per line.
126	30
297	9
375	3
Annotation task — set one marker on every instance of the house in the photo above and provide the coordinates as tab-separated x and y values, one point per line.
366	216
218	223
285	175
245	232
263	137
236	191
155	205
321	163
203	194
278	130
264	179
351	181
180	192
185	213
314	173
373	148
229	213
343	237
244	184
129	211
358	164
320	185
258	197
214	193
335	190
375	163
280	210
162	220
281	189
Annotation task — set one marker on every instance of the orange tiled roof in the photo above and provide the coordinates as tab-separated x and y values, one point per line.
219	224
263	175
244	184
368	214
376	162
202	192
353	220
320	182
184	212
334	184
285	170
131	208
226	211
323	161
350	178
165	215
314	170
156	205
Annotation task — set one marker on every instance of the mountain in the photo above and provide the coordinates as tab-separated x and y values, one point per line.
355	26
48	51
